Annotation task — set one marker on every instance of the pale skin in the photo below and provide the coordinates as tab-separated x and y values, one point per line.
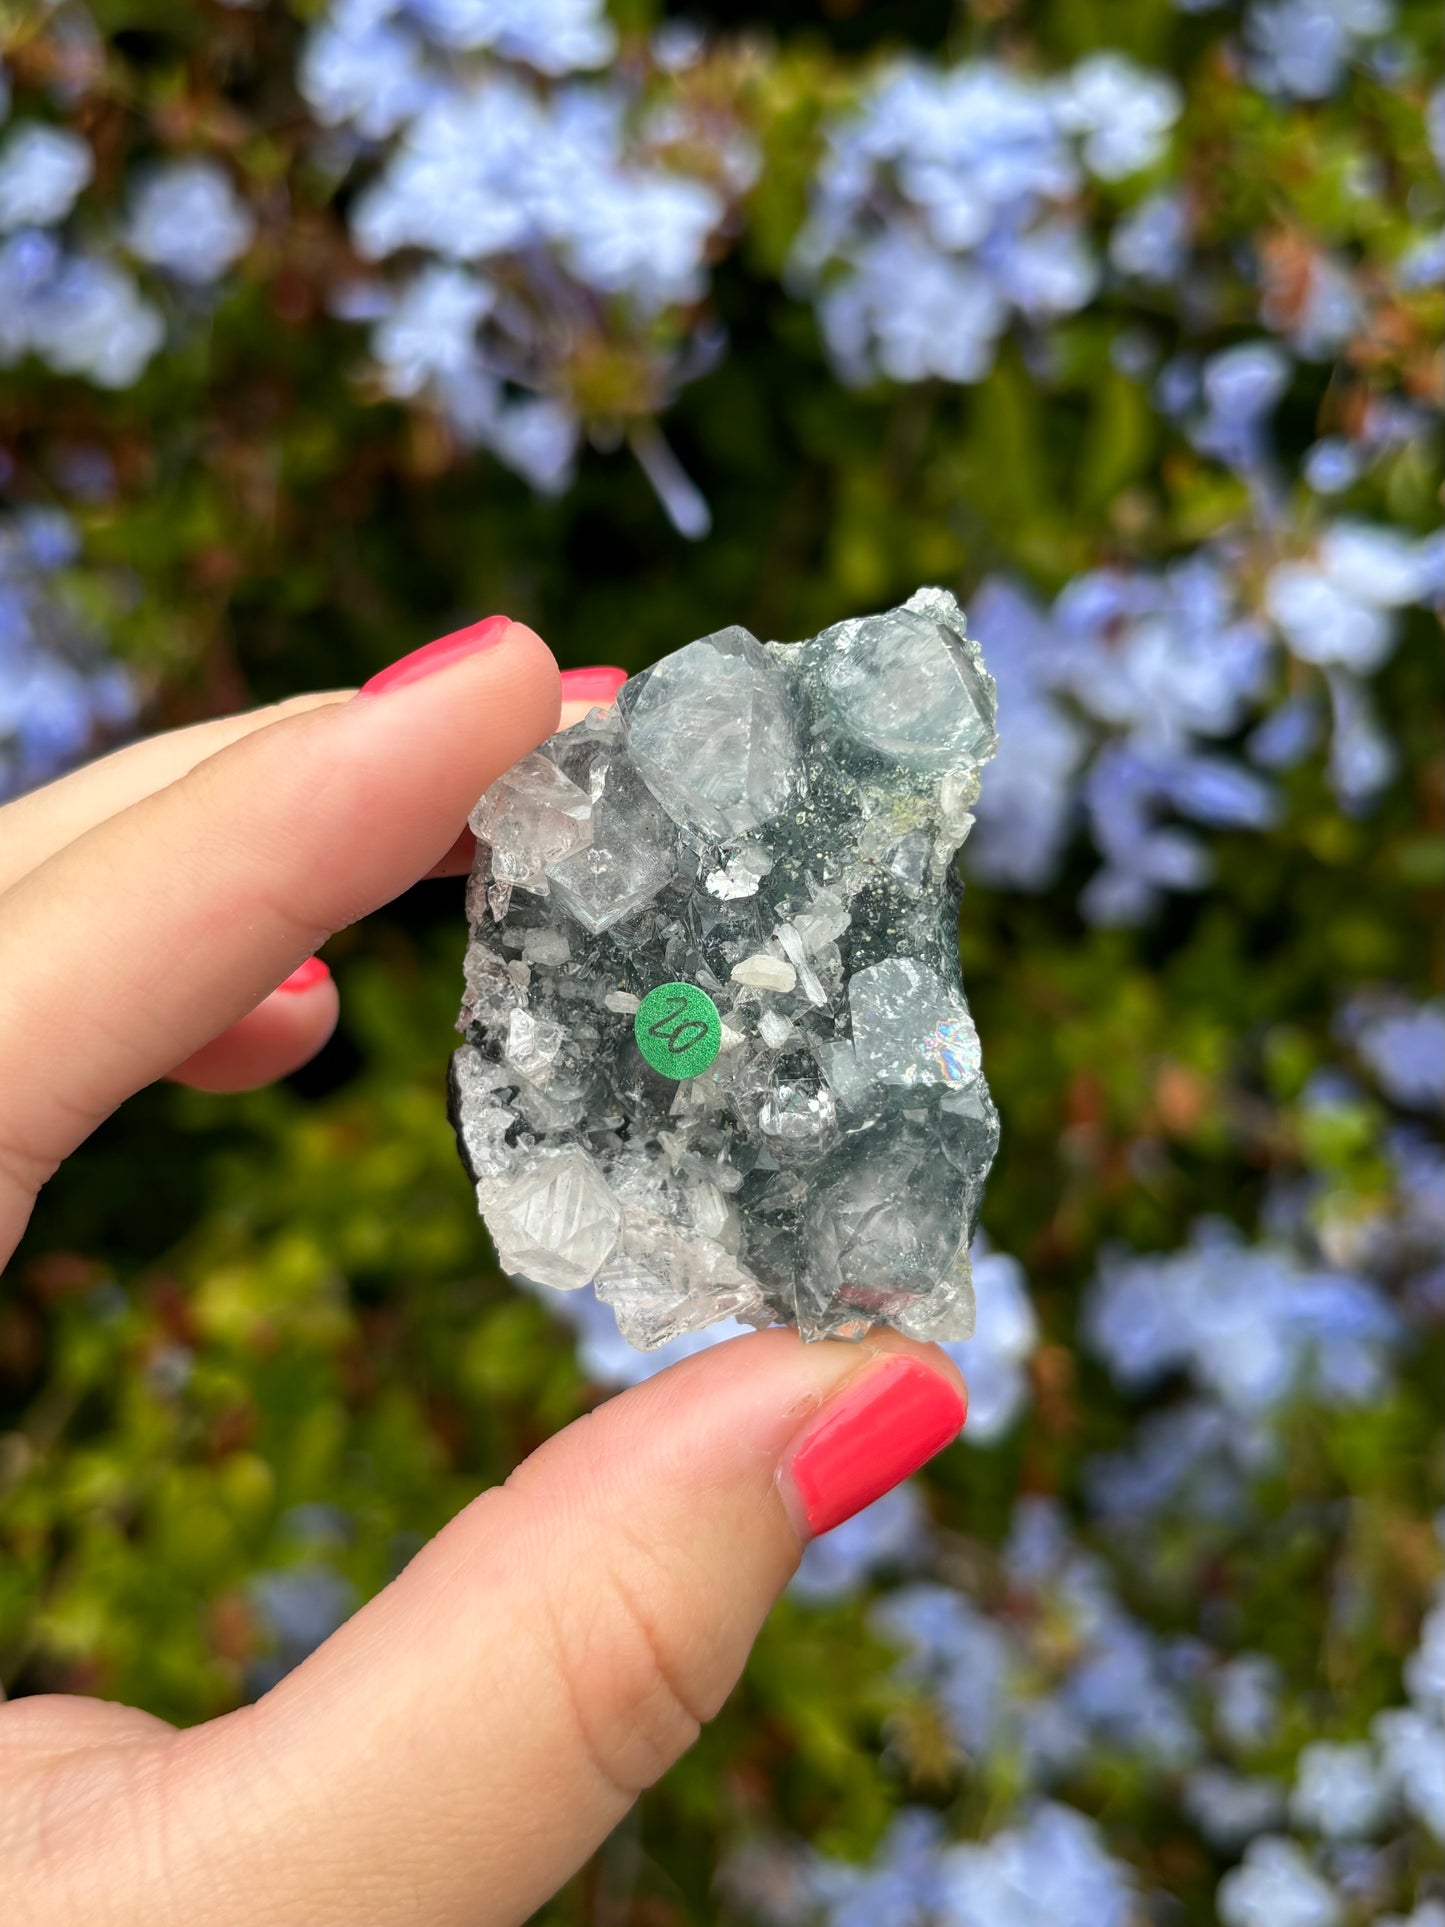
459	1748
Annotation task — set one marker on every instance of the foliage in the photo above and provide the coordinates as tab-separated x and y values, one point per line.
1125	323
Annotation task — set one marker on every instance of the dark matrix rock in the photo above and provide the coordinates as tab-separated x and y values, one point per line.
718	1058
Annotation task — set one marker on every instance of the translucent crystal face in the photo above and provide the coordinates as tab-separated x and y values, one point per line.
750	859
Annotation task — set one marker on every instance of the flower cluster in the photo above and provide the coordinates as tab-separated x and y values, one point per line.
1051	1865
1053	1671
1347	1792
76	304
946	208
1304	47
57	690
1113	699
1109	700
556	234
1402	1042
1247	1326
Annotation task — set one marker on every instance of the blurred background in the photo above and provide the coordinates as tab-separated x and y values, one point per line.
327	327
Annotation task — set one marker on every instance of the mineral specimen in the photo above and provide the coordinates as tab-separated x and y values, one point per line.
718	1060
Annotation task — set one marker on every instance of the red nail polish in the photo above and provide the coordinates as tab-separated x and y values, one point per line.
870	1438
597	685
306	976
440	654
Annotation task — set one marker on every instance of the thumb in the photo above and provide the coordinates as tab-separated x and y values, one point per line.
461	1746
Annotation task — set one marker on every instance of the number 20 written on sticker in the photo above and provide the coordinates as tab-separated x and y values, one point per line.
678	1030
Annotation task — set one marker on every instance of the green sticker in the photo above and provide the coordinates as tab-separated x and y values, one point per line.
678	1030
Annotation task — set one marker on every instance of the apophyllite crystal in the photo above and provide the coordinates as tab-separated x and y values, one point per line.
718	1058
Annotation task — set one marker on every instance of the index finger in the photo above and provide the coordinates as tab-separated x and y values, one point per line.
34	826
132	946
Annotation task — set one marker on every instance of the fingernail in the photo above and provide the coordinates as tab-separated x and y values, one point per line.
867	1440
440	654
597	685
306	976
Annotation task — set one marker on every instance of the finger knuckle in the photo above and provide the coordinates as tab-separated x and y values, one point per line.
628	1663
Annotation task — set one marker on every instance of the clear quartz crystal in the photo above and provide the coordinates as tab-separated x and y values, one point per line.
775	824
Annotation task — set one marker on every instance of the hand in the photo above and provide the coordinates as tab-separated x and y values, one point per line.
454	1752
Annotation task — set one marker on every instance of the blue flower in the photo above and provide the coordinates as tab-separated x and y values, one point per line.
901	1887
82	315
1277	1886
366	72
1422	266
299	1607
1064	1670
430	332
57	692
1241	386
1338	1789
1362	757
1246	1693
1190	1460
495	171
1231	1808
42	171
1052	1867
187	219
1337	606
911	312
1435	126
1425	1668
1403	1044
1333	465
554	36
1157	661
1123	112
1165	656
1316	305
1287	734
1303	47
1150	242
1248	1324
1006	1336
1412	1743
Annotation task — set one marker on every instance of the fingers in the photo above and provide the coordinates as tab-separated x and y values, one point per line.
135	945
271	1041
462	1745
286	1031
281	1034
38	824
33	827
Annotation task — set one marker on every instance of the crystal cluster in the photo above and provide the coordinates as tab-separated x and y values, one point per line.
718	1058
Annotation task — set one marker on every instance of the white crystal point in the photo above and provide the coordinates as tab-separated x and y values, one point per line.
911	685
629	858
763	972
664	1281
947	1314
531	816
712	731
759	834
554	1223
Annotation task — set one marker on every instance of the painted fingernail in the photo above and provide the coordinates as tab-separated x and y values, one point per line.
867	1440
598	685
305	976
440	654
